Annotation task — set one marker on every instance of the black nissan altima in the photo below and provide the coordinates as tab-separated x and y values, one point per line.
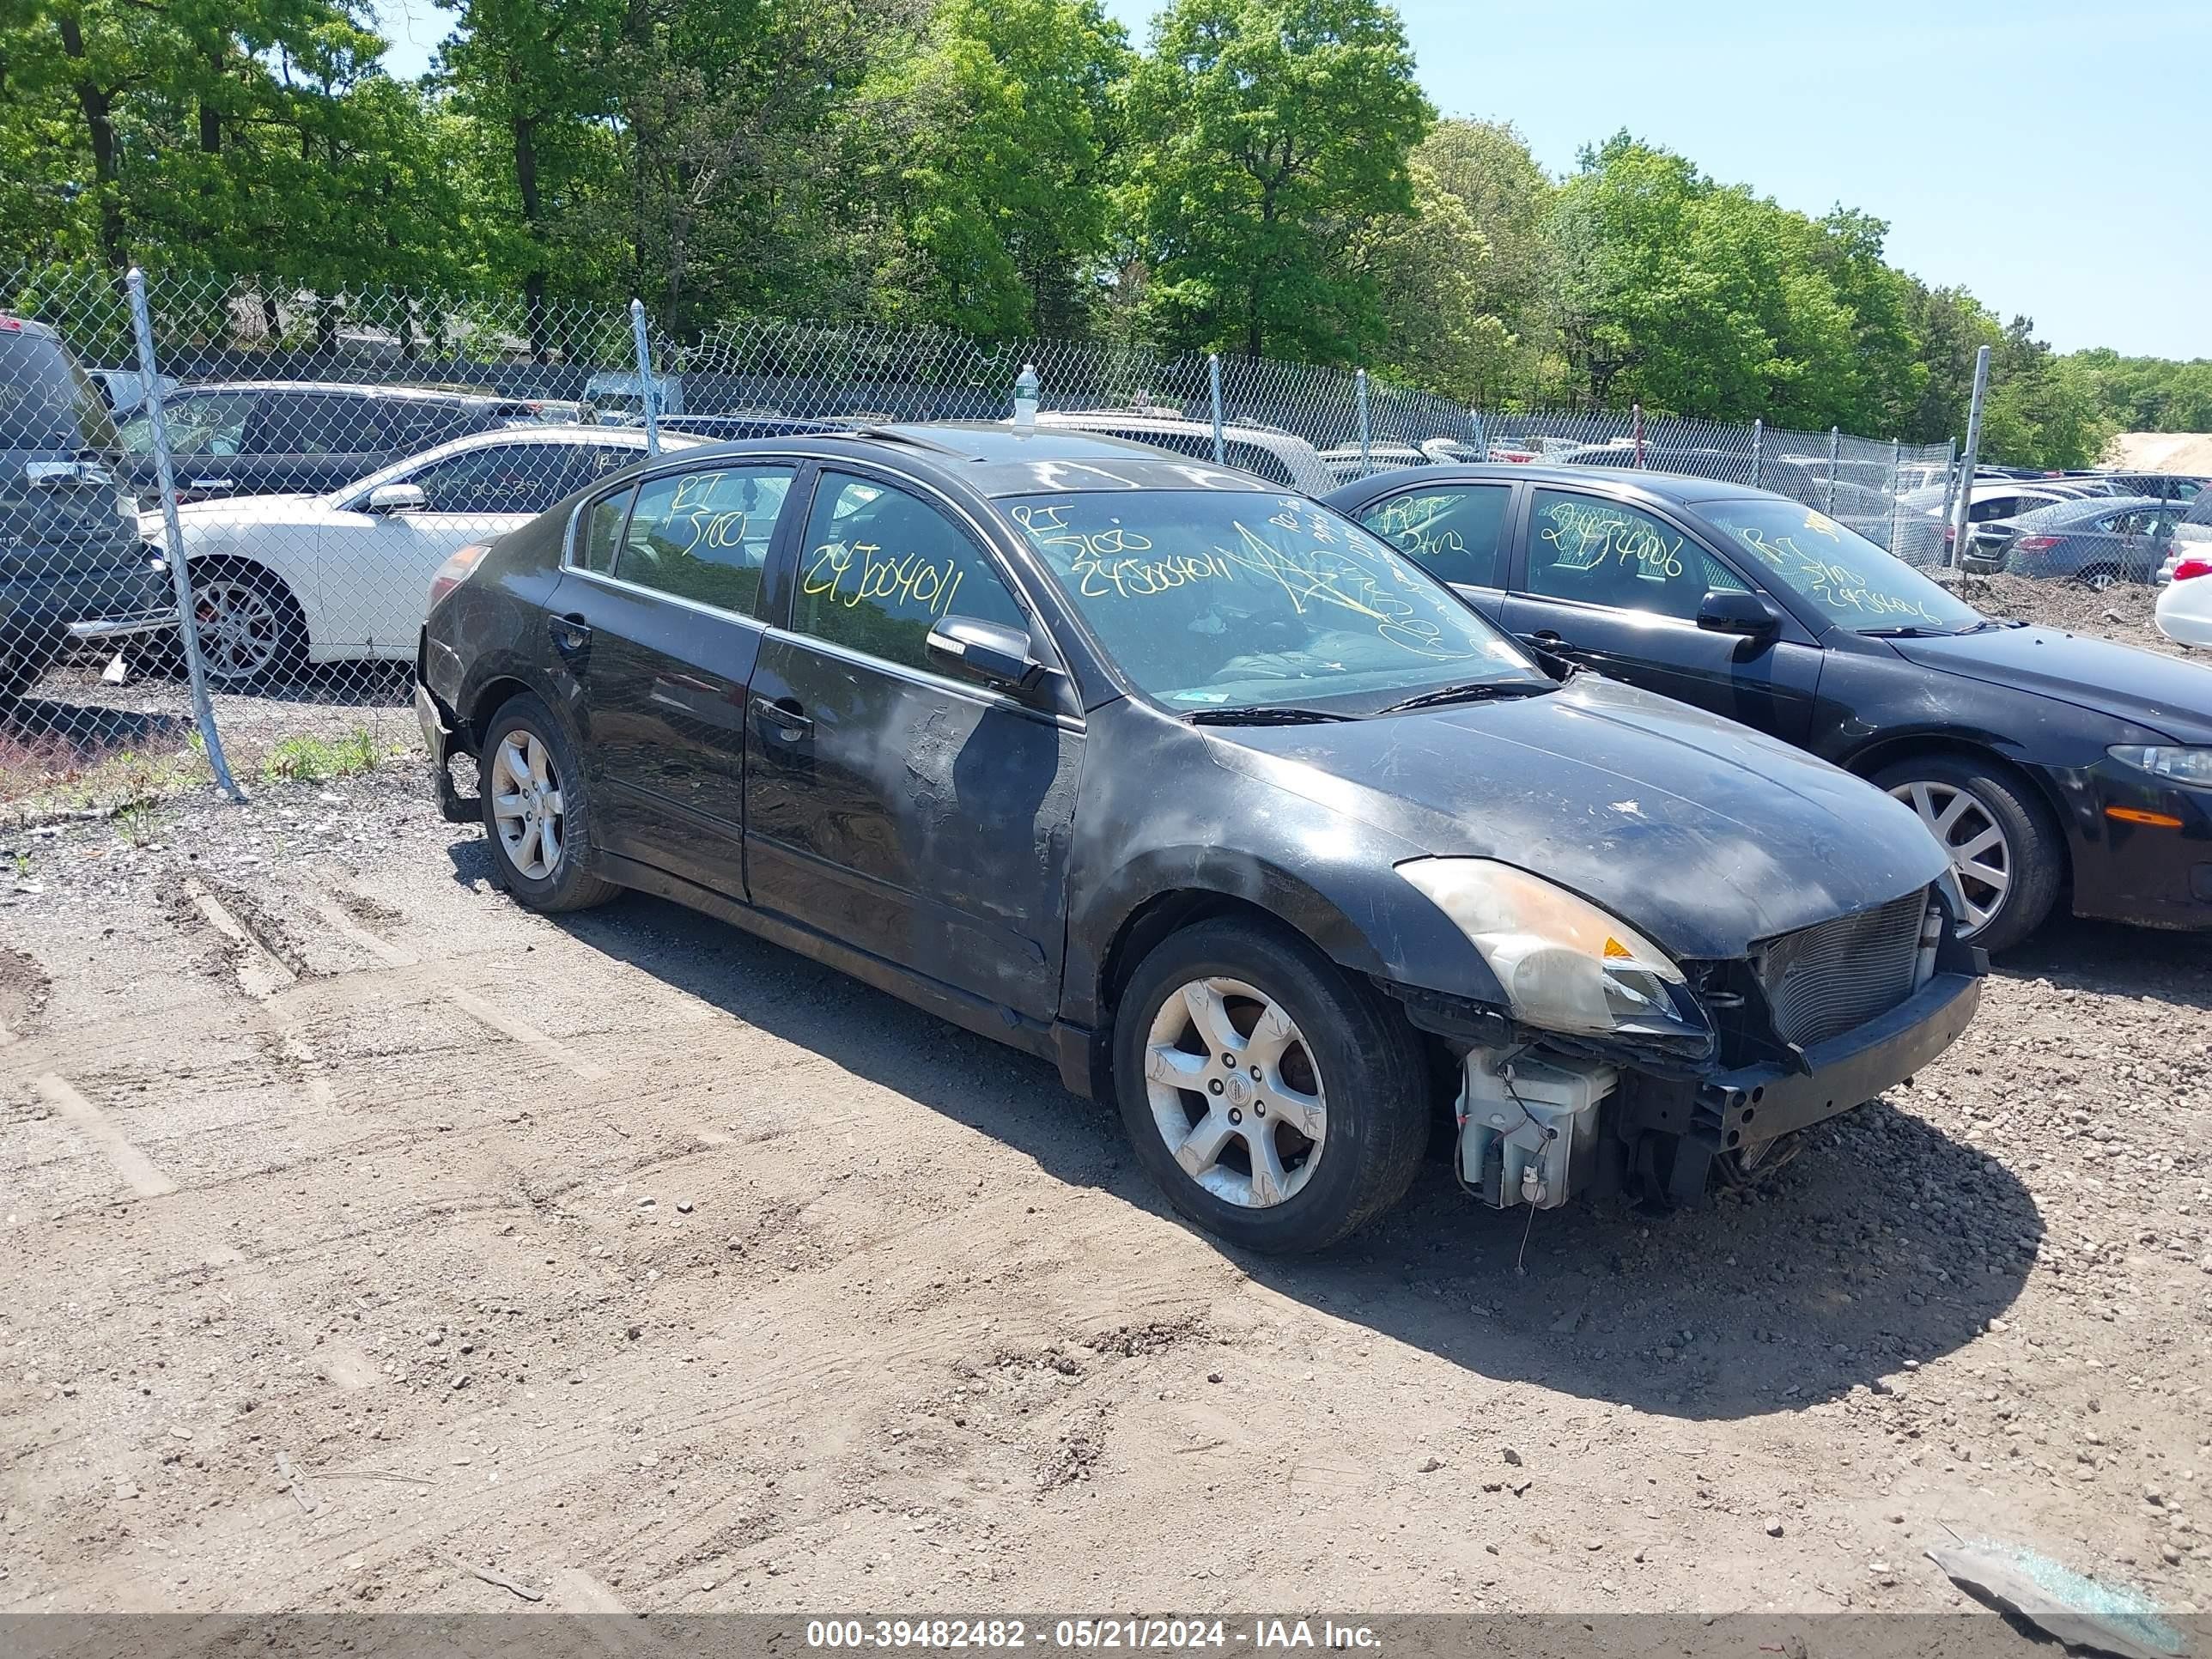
1203	793
2048	764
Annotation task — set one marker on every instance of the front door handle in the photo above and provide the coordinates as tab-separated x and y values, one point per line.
572	636
782	721
210	484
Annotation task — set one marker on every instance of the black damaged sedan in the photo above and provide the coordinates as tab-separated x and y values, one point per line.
1207	795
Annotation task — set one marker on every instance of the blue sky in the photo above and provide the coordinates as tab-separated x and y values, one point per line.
2054	158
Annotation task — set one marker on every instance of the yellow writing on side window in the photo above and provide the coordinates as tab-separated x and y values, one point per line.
852	574
1586	537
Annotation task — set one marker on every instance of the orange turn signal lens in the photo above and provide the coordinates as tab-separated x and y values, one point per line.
2136	815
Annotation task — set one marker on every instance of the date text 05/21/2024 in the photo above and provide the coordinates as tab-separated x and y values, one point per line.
1131	1634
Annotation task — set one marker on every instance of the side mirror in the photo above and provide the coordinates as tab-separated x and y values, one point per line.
990	653
397	498
1727	611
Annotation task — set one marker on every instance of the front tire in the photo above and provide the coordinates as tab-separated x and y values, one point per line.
536	814
2003	845
1278	1102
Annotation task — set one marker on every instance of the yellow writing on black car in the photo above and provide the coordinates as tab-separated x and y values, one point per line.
1585	537
852	574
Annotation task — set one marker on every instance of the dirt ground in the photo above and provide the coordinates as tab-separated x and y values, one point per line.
359	1228
2161	451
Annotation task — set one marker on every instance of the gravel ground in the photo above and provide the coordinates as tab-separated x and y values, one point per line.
2120	613
357	1225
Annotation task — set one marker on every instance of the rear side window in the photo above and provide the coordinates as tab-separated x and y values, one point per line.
1456	534
47	401
1254	459
704	536
317	423
501	478
600	532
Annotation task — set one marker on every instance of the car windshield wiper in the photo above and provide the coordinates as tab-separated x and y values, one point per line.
1909	631
1987	622
1261	714
1481	692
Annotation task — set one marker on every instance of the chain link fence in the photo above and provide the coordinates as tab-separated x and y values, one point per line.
327	454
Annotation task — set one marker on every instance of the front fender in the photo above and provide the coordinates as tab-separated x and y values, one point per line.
1361	914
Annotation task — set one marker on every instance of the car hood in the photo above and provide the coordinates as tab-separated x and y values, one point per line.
1700	832
2159	693
233	512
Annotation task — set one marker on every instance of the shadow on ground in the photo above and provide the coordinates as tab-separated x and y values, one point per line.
1884	1241
2107	957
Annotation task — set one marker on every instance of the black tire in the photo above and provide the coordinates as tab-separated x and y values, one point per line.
1370	1069
20	670
566	885
2098	578
2030	839
276	648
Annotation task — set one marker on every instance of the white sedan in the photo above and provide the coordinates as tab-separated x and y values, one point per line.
282	581
2185	603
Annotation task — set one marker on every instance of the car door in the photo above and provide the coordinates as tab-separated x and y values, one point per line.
655	630
373	566
309	441
1616	587
920	820
1455	532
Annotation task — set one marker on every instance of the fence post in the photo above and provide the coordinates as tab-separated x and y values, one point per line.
1835	454
1758	451
646	390
1954	545
1636	409
1359	398
1214	383
1896	455
1481	437
172	536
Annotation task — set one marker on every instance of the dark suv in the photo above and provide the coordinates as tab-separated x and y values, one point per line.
70	557
283	437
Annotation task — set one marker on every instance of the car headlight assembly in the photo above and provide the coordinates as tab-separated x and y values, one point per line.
2189	767
1565	965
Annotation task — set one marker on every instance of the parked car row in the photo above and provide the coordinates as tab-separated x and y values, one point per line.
1662	817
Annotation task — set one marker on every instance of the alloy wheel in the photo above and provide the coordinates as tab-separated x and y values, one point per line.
526	805
1981	857
241	630
1235	1092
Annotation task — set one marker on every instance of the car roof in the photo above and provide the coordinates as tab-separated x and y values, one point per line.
2092	507
996	459
1679	486
15	324
413	393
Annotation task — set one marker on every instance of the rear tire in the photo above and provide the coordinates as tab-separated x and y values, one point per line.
537	816
2098	578
1961	801
1278	1102
251	629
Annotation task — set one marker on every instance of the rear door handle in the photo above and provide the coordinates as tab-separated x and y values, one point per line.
572	636
782	721
211	483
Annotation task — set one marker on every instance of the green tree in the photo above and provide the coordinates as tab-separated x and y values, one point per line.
1266	133
1486	166
993	140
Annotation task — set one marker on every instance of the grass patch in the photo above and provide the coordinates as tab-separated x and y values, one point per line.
322	760
47	773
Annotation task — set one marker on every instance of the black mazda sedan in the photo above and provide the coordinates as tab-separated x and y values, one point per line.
2046	763
1205	793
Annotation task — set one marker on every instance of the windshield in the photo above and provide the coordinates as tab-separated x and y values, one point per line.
1212	598
1849	581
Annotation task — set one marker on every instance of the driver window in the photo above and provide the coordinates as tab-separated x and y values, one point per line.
704	536
213	423
879	568
1602	552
